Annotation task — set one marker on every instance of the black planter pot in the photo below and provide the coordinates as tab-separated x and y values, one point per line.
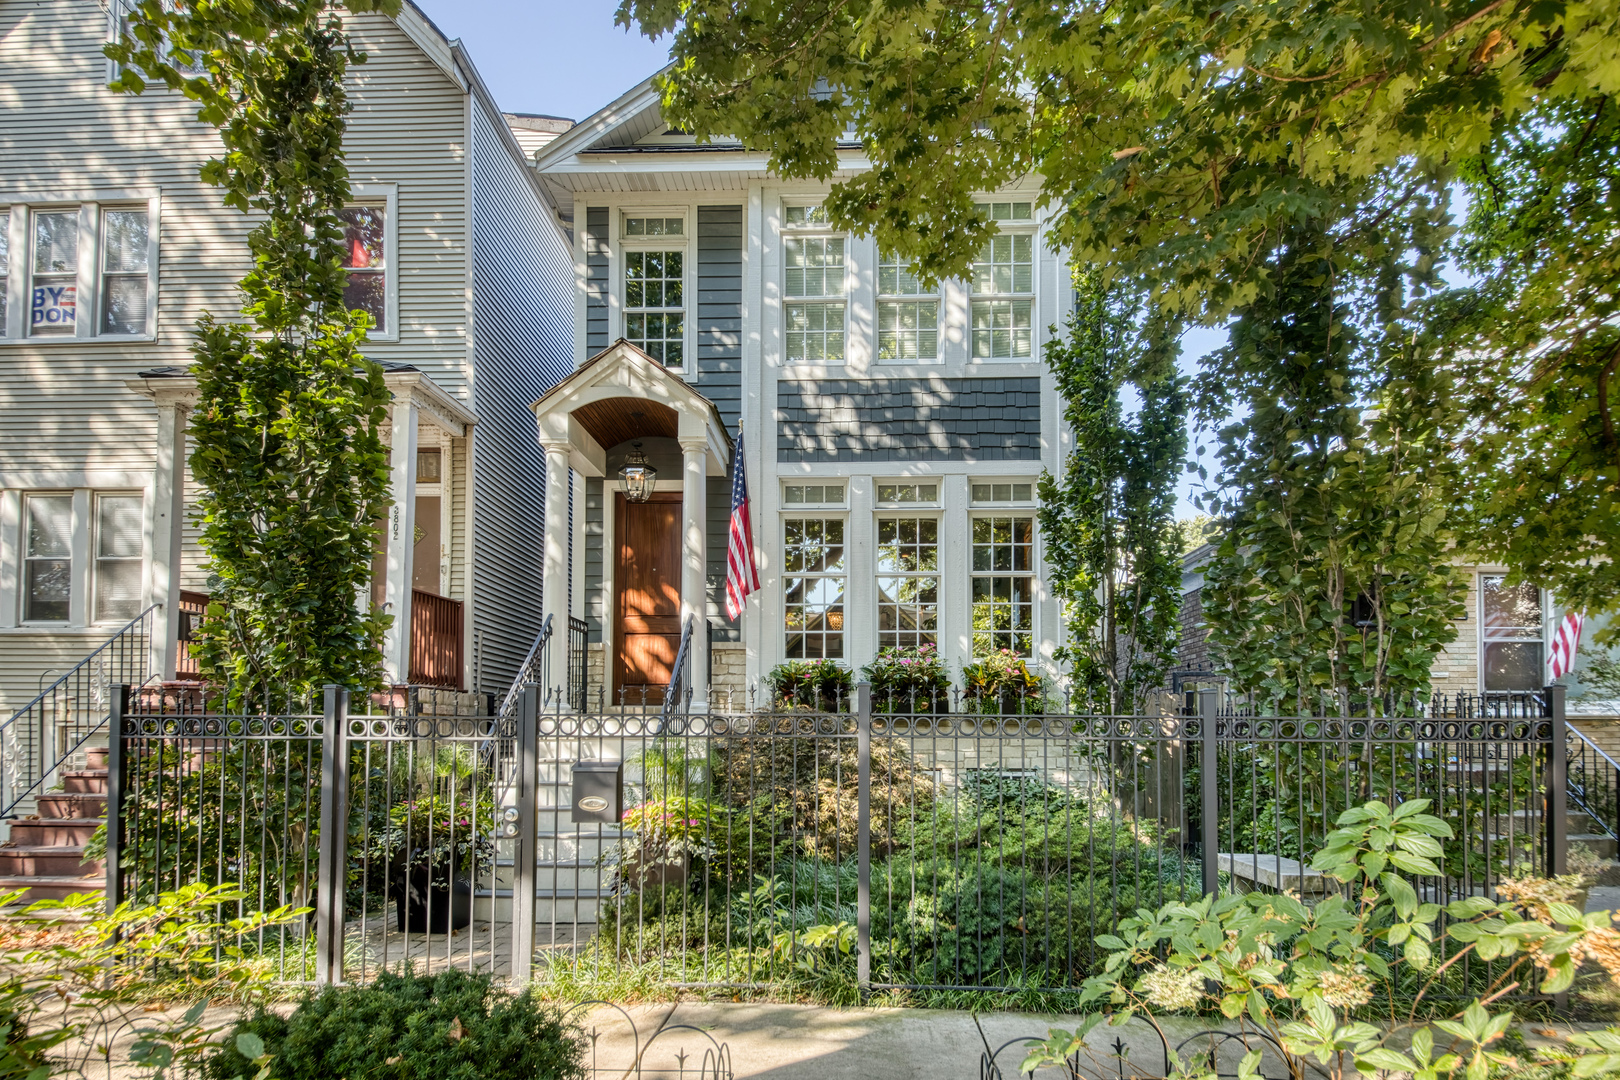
428	904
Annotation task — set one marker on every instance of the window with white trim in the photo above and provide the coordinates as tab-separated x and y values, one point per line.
813	587
907	581
992	492
813	284
1002	584
187	63
908	314
1512	646
47	558
907	494
365	257
813	494
1003	285
655	305
88	270
118	558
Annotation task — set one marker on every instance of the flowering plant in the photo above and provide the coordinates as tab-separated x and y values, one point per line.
824	685
1002	683
1303	976
667	837
908	680
451	837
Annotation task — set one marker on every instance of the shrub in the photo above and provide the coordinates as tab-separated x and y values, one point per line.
449	1026
909	680
821	685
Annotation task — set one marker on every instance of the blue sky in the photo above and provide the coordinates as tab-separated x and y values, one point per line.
568	59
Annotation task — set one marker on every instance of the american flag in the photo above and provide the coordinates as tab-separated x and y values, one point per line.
742	576
1566	639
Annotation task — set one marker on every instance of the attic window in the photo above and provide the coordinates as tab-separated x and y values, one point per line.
801	216
654	226
1007	211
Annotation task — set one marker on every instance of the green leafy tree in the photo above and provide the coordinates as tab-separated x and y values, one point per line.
1112	549
1535	344
1332	579
288	450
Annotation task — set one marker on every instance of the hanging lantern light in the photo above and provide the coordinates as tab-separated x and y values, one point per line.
638	475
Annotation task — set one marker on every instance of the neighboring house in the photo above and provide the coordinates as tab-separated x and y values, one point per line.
893	432
110	247
1501	643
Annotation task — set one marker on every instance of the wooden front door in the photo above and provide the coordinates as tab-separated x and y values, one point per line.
647	607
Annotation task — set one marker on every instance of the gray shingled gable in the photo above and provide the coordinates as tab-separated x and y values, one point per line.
979	419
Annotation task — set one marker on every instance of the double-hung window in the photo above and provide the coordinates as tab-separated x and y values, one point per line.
907	567
813	285
813	578
1003	584
1511	642
118	558
47	558
87	270
1004	285
654	287
908	314
365	257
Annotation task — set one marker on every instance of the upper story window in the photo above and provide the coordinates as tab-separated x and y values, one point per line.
654	248
365	256
813	283
908	314
1003	285
1511	641
184	62
88	270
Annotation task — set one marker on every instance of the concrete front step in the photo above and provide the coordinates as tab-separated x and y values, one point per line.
42	887
72	804
1603	846
85	782
53	832
47	862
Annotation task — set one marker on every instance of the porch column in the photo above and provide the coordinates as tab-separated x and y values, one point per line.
401	537
554	602
168	510
694	560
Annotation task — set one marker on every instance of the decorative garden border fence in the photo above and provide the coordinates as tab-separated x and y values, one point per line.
854	845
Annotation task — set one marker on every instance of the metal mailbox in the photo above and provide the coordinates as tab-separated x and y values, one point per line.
598	791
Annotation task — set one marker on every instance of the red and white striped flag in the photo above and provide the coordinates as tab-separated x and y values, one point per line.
1566	639
742	576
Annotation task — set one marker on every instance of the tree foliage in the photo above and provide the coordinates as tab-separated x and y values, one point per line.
286	431
1333	577
1111	544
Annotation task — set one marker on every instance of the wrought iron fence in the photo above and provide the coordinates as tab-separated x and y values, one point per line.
44	735
579	635
834	845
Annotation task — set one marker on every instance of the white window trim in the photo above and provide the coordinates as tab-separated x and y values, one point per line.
1002	510
94	559
818	230
934	505
990	509
881	298
840	514
1480	638
655	243
387	197
87	321
1030	228
622	245
84	489
841	506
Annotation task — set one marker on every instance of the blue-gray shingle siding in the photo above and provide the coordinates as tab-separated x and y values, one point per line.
909	420
719	308
597	337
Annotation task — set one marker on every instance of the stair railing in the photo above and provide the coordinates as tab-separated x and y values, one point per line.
499	751
676	694
43	735
1592	780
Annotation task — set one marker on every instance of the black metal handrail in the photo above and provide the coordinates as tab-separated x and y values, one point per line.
578	641
676	692
29	756
1593	779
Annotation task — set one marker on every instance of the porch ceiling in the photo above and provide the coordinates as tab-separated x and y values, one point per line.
618	420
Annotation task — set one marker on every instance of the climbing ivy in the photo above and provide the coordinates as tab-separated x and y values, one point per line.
1332	580
288	451
1112	548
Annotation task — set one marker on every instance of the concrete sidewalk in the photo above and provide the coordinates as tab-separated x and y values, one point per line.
807	1042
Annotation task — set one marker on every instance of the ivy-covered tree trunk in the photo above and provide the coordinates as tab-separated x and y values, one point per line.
1332	581
1111	543
287	430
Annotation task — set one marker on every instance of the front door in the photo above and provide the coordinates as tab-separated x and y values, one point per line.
647	608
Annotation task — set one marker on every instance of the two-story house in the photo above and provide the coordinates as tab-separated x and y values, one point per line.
110	247
893	431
